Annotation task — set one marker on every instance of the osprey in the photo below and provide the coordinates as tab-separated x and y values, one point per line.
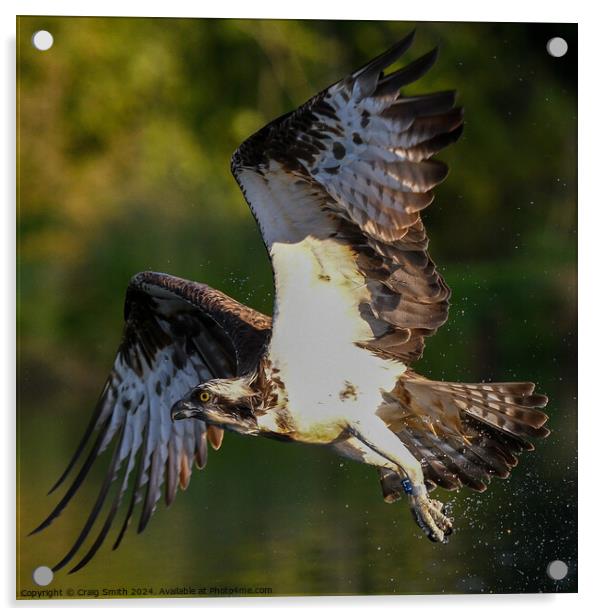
336	188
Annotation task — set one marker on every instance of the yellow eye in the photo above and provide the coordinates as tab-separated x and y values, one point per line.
204	396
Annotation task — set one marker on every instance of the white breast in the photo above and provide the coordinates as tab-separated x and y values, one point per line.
316	316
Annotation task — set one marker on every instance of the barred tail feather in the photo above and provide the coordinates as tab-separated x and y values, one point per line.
465	433
510	407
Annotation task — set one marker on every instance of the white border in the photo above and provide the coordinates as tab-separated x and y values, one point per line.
434	10
580	11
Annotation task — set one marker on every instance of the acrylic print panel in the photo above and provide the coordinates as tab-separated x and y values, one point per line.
126	128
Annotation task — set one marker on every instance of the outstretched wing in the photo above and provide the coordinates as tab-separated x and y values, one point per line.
346	176
177	334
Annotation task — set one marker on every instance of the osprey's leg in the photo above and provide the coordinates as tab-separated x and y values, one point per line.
389	452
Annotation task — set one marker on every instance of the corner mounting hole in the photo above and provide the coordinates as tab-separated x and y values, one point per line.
557	570
42	40
43	575
557	47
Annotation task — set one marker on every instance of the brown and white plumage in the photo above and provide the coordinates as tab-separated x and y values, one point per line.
353	167
177	334
336	187
465	433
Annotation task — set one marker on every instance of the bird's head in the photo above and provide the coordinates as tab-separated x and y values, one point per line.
227	403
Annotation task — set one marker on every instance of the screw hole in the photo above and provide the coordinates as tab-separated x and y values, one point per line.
42	40
557	47
43	575
557	570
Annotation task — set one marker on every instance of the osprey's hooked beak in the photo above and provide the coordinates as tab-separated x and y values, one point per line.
185	409
235	418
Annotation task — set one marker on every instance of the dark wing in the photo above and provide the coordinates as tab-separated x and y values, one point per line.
177	334
362	152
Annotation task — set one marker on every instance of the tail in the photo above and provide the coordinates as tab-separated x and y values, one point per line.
464	434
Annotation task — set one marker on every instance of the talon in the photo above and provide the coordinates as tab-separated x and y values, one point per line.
431	517
439	505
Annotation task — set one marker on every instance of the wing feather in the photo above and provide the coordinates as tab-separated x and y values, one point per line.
362	152
177	334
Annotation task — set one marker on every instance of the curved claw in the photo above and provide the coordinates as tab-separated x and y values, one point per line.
431	516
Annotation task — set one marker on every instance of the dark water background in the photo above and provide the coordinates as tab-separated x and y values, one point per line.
126	127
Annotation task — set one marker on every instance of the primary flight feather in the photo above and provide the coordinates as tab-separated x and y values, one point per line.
336	187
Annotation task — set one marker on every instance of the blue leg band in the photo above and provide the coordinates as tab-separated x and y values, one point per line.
406	484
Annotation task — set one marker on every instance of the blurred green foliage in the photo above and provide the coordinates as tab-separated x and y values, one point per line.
126	128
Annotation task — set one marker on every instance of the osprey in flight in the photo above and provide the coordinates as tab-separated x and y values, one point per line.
336	188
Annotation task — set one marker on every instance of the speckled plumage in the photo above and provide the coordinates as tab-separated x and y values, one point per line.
336	187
